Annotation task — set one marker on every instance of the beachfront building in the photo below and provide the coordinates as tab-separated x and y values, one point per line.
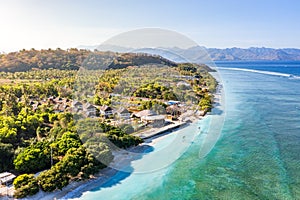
173	110
106	111
90	110
143	113
154	120
123	113
150	118
6	178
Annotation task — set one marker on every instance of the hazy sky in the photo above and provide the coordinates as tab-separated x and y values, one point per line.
211	23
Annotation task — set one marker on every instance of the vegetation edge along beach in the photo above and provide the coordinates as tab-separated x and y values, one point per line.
45	138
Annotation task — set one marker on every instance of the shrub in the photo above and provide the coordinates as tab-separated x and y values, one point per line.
25	185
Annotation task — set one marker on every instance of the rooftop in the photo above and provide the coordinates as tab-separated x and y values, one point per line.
145	113
6	177
153	117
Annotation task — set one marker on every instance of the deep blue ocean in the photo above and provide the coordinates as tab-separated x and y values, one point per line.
285	67
256	156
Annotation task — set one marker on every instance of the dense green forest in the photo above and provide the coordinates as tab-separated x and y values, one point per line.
73	59
33	140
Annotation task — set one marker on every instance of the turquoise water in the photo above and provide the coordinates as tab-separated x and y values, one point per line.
256	157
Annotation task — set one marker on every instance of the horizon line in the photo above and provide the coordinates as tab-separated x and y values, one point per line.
89	47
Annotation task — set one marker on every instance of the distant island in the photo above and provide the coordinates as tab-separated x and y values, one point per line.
254	54
65	114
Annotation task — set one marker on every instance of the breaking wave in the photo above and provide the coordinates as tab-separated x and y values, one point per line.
291	76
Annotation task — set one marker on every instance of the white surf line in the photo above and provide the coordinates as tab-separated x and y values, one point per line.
258	71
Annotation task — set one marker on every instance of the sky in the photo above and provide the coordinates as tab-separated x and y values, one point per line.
211	23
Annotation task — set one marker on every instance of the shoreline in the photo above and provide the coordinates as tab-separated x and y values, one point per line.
218	113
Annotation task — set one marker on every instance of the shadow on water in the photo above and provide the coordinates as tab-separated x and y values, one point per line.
217	104
217	111
112	176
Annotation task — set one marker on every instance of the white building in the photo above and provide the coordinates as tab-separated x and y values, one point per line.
6	178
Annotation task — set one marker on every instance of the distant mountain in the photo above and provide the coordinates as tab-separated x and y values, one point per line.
254	53
201	54
114	48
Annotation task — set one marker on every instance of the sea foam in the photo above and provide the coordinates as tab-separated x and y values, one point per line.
262	72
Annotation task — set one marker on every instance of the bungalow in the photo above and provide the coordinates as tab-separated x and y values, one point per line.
6	178
90	114
51	100
154	120
123	113
173	110
66	100
62	107
58	100
143	113
77	106
36	105
90	110
56	108
106	111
